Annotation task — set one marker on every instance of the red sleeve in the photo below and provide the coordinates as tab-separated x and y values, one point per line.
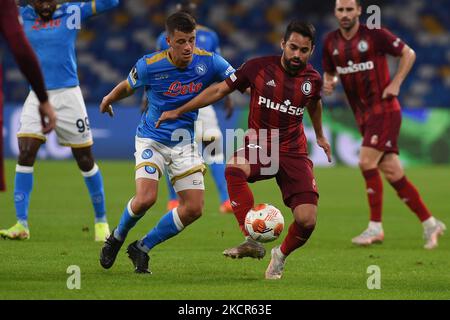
25	57
240	80
327	61
317	88
388	43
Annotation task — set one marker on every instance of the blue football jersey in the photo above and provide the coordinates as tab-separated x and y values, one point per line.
54	41
206	39
169	87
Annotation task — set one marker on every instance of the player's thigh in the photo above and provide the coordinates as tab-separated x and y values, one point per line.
391	167
72	126
296	181
30	120
249	159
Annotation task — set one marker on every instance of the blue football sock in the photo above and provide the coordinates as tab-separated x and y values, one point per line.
94	183
172	193
169	226
218	173
22	190
127	221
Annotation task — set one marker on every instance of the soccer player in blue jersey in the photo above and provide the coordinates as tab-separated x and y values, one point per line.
52	32
171	78
207	128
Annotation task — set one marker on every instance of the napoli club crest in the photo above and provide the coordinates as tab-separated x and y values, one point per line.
307	88
201	69
363	46
147	154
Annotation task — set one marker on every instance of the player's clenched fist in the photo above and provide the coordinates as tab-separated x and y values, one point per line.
329	84
106	106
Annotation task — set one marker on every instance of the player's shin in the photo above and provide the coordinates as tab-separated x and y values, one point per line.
94	183
240	194
169	226
298	235
127	221
22	191
374	188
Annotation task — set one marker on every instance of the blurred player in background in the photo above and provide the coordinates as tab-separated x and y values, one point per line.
12	32
281	87
52	32
358	55
172	77
207	128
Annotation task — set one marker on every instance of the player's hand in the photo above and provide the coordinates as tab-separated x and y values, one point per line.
325	145
392	90
48	117
167	115
329	85
105	106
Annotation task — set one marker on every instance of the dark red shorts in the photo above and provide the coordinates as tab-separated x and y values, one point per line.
2	167
293	173
381	131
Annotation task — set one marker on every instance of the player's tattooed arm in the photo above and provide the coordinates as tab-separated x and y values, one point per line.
407	58
315	113
206	97
121	91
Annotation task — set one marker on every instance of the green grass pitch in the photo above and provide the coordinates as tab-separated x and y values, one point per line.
191	265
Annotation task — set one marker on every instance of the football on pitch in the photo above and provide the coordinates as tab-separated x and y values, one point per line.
264	223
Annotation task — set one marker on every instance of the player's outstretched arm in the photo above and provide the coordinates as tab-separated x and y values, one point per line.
407	59
329	83
315	113
206	97
121	91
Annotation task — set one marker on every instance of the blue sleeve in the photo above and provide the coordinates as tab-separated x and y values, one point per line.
161	43
221	67
138	76
94	7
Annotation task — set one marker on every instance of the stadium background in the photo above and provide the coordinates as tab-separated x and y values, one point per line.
110	44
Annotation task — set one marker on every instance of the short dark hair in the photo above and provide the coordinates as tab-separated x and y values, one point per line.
181	21
303	28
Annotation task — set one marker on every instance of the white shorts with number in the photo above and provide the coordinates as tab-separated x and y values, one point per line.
207	129
72	125
184	164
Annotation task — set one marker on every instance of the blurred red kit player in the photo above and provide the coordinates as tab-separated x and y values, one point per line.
11	30
357	55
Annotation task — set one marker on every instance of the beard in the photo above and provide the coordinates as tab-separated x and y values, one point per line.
293	68
349	24
46	16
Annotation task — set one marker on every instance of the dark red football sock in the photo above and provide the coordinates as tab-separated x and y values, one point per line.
374	189
241	196
409	195
296	237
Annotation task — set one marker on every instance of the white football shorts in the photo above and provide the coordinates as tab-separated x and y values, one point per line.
207	129
72	125
184	164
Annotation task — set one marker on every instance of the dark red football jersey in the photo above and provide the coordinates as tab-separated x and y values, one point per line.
278	100
362	66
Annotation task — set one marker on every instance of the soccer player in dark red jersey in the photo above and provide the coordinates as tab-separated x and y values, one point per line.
358	55
12	31
281	88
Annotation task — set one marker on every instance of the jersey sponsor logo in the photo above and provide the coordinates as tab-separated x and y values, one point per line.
271	83
307	88
363	46
147	154
285	108
201	69
161	76
150	170
356	67
134	76
176	88
39	24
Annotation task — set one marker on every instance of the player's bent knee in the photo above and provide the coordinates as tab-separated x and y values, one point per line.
237	170
142	203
